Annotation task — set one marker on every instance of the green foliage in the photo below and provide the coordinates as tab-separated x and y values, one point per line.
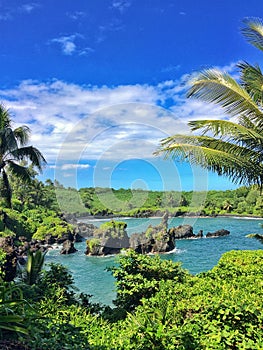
70	201
220	309
12	310
114	229
169	308
31	272
93	243
33	223
138	276
52	225
227	148
242	201
2	262
15	154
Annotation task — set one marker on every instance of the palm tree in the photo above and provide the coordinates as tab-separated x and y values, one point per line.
233	149
13	151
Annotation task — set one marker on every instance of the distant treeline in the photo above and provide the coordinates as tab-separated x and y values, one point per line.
107	201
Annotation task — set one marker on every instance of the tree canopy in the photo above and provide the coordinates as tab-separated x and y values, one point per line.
13	151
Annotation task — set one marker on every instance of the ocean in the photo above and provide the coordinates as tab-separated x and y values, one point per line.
196	255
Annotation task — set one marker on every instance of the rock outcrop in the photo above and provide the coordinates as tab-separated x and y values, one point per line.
110	238
84	229
156	239
182	232
68	247
218	233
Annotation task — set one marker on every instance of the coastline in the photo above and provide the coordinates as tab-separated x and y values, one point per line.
107	217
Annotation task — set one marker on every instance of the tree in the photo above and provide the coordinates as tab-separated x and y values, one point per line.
14	150
233	149
139	276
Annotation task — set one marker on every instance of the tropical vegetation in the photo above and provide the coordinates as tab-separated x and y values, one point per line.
158	304
233	145
14	150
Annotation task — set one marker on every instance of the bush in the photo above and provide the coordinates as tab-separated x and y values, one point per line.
138	276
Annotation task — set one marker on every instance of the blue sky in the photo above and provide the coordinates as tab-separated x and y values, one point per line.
101	82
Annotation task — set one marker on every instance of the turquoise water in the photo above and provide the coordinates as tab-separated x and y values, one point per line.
196	255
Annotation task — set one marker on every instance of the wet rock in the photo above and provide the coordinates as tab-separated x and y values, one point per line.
68	247
200	234
218	233
182	232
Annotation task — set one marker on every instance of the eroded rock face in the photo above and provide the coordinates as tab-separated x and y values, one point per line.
182	232
156	239
68	247
218	233
84	229
110	238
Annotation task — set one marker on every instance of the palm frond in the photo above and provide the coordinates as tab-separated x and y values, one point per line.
252	80
214	86
238	169
7	140
22	134
253	31
31	153
211	143
229	130
18	170
5	120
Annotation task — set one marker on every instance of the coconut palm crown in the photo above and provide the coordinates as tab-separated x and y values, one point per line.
14	150
233	149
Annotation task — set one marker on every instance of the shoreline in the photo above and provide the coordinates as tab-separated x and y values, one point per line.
233	216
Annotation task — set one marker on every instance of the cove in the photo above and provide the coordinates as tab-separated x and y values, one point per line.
196	255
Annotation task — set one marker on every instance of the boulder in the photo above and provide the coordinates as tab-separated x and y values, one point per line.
218	233
182	232
68	247
200	234
49	239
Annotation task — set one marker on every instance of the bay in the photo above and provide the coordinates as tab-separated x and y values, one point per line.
196	255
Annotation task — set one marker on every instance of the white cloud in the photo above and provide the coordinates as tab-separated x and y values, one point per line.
67	44
72	124
9	13
69	166
121	5
71	44
74	166
76	15
29	7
